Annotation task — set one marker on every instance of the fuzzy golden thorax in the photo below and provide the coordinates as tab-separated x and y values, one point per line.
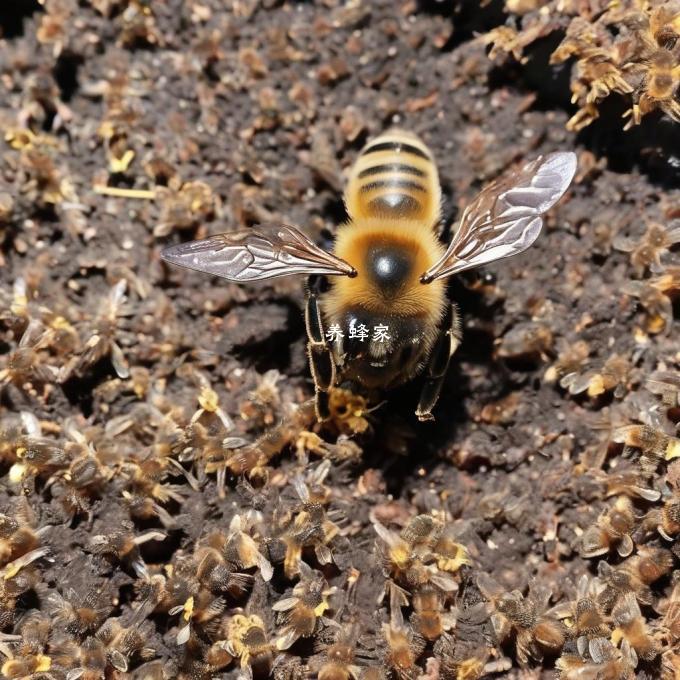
389	257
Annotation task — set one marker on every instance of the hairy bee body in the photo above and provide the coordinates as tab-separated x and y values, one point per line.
393	200
384	316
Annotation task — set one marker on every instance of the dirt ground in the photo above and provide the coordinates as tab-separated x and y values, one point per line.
158	454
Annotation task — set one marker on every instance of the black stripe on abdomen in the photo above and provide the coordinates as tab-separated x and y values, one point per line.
394	168
396	146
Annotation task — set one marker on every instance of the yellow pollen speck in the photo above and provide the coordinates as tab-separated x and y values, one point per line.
596	386
321	608
123	163
617	636
453	564
17	472
20	138
189	608
673	449
470	668
60	323
656	324
44	663
18	307
401	556
550	375
208	399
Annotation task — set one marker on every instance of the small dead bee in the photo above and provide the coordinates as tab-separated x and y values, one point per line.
670	623
410	560
14	582
429	618
88	661
612	530
27	667
29	656
17	533
404	646
301	612
536	632
123	643
340	657
123	545
247	641
636	575
79	614
389	292
659	87
604	662
631	626
309	524
648	565
584	616
664	519
666	385
654	444
103	338
243	550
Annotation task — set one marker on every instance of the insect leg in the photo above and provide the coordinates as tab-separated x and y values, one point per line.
321	361
446	345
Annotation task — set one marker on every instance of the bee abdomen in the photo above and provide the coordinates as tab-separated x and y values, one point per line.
395	178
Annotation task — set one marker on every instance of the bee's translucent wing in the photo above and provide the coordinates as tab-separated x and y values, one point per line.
254	255
505	217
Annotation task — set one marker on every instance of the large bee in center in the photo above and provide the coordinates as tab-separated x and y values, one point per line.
384	316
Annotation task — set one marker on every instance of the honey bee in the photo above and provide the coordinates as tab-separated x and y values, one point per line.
631	626
535	630
666	386
247	641
388	265
635	574
301	612
604	662
670	623
612	530
339	658
404	646
123	643
588	620
17	533
429	618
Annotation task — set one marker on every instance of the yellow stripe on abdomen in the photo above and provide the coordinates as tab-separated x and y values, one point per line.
394	178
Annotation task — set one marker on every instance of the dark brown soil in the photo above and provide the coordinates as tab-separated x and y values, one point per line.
239	112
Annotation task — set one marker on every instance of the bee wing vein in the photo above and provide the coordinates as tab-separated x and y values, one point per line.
505	217
254	255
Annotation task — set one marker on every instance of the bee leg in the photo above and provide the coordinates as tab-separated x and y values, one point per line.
321	361
438	365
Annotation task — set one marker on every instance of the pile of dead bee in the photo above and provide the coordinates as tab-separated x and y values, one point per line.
279	573
630	48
